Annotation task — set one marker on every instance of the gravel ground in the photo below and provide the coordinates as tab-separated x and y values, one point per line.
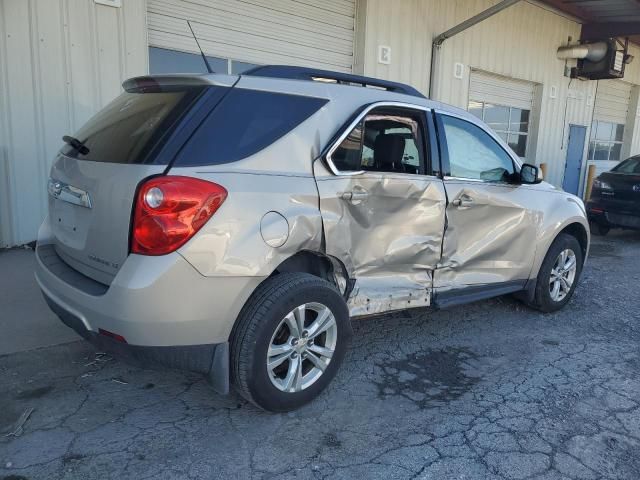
491	390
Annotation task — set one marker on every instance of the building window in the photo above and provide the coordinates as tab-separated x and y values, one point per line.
163	60
606	141
510	123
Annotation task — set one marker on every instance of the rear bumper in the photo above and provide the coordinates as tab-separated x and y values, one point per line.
619	214
209	360
167	312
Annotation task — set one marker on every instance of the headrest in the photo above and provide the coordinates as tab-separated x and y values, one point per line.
388	150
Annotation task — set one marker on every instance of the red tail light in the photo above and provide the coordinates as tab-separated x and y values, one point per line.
170	210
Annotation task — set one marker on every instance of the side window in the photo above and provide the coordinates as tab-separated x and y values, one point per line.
383	142
474	154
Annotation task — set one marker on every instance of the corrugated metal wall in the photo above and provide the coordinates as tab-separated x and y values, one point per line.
300	32
61	61
632	74
519	43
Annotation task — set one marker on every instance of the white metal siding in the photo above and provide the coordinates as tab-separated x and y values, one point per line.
485	87
61	60
634	116
519	42
298	32
612	101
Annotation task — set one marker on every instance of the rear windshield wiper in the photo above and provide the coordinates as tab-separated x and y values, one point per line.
77	144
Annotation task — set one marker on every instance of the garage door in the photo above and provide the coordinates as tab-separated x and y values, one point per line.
608	127
300	32
612	101
505	105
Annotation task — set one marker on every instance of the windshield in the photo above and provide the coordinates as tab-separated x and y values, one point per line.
129	129
630	165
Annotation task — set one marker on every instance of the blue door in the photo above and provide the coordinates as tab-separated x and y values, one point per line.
573	165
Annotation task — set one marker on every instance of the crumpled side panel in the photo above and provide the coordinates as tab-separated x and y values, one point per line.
389	238
232	244
493	239
373	295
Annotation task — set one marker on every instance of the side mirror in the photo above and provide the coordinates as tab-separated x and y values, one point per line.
530	174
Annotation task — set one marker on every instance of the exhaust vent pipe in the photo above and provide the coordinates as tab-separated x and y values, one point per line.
594	52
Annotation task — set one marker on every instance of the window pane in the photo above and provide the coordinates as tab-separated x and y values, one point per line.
475	108
619	133
162	60
473	153
347	156
601	151
245	122
604	131
504	136
592	146
367	157
518	144
519	121
630	165
240	67
616	149
496	116
130	128
594	129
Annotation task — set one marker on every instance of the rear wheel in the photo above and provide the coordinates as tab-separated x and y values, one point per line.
599	229
289	341
559	274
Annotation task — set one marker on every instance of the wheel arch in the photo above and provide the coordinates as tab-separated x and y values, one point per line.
320	265
575	225
577	230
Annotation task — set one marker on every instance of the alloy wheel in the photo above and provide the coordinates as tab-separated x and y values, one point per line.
301	347
563	274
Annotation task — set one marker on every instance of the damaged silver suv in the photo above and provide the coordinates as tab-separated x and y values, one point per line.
233	225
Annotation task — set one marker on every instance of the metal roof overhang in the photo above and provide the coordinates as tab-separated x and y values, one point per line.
603	18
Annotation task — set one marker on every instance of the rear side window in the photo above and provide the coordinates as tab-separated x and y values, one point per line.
385	141
133	126
245	122
630	165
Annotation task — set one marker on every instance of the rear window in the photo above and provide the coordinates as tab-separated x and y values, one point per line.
245	122
630	165
134	125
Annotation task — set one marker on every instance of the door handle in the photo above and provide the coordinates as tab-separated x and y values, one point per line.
355	197
463	201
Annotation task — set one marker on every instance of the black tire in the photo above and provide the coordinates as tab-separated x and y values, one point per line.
599	230
542	299
257	323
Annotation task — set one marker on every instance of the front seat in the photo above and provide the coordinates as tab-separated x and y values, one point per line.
388	151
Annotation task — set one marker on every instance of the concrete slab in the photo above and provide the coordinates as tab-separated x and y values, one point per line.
25	319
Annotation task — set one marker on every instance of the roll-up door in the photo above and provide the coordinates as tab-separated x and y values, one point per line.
612	101
608	133
300	32
505	104
501	90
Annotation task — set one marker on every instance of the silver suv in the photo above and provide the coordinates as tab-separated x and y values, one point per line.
233	225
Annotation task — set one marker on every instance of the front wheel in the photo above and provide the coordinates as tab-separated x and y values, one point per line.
559	274
289	341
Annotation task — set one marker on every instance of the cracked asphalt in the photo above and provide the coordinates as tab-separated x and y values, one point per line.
491	390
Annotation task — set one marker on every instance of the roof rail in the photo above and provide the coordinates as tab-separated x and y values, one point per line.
305	73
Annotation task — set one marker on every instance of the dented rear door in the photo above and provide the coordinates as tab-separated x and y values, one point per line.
385	226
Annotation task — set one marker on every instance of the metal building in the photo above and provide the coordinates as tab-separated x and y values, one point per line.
61	60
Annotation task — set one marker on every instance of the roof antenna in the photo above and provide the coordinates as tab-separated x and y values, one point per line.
206	62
